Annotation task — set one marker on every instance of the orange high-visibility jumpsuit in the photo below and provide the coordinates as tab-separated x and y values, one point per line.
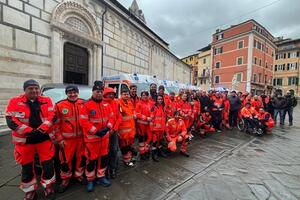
126	129
94	116
157	125
143	114
68	129
18	119
176	133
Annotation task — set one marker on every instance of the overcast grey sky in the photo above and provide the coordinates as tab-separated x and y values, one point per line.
187	25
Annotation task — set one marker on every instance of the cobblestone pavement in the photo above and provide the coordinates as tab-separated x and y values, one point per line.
230	165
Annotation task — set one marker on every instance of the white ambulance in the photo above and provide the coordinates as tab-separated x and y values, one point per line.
118	82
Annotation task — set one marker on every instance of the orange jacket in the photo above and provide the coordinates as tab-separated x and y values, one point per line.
67	119
158	118
127	125
226	105
95	116
135	101
257	104
114	106
143	111
18	111
218	103
266	118
248	113
196	108
175	128
170	108
185	109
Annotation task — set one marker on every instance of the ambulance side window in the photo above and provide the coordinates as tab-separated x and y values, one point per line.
124	86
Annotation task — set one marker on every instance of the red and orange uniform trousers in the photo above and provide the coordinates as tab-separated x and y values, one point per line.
176	133
157	126
68	130
95	116
143	125
226	113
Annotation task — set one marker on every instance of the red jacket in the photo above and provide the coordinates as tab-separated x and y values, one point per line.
135	101
257	104
67	119
114	106
218	103
185	109
158	118
226	105
95	116
175	128
196	108
248	113
127	125
143	111
170	108
19	112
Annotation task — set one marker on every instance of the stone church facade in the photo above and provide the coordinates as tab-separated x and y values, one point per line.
61	41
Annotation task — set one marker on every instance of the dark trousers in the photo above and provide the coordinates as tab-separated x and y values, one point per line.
113	151
290	113
279	112
217	119
233	116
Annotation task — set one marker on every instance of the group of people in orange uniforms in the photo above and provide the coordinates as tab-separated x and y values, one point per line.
92	131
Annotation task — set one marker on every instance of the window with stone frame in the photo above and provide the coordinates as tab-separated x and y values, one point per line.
218	64
239	60
241	44
239	77
217	79
293	80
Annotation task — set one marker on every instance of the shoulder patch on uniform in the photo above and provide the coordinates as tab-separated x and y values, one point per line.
64	111
93	112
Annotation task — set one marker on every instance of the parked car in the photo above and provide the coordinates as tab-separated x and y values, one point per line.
56	91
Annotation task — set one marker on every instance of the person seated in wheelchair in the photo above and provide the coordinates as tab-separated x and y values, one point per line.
266	119
248	114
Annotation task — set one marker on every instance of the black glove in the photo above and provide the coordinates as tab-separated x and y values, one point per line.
102	132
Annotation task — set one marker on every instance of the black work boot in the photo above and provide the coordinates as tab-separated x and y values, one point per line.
154	155
161	153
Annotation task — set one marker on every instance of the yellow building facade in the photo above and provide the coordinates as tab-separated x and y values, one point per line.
192	60
204	68
286	68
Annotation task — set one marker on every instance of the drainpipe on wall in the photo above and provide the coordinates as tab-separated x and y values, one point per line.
102	35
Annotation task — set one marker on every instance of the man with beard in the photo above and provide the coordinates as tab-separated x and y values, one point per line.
133	94
153	93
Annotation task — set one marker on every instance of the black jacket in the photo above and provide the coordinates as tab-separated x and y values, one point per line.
235	103
279	103
291	101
